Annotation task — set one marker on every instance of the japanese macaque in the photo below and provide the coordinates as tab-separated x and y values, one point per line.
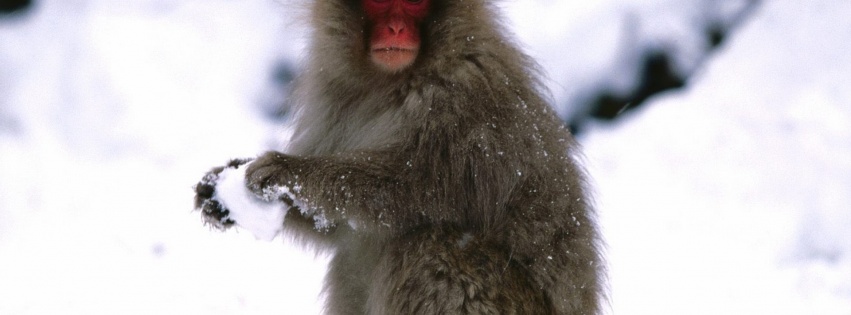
427	161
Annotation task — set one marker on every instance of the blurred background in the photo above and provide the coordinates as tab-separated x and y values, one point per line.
717	133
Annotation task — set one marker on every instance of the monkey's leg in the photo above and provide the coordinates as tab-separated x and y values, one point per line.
445	270
350	273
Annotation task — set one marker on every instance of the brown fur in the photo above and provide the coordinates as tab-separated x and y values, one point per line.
453	187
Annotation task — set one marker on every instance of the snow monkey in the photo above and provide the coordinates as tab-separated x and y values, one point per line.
428	163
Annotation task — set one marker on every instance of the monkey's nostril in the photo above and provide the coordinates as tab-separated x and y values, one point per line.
396	28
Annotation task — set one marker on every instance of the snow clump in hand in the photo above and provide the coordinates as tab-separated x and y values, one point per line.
263	218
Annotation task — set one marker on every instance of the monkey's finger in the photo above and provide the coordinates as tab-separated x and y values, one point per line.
204	190
235	163
215	215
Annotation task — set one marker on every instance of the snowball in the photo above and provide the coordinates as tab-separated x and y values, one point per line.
264	219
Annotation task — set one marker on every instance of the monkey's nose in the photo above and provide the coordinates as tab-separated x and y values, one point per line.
396	27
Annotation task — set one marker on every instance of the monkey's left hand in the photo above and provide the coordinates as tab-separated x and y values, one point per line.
266	176
212	210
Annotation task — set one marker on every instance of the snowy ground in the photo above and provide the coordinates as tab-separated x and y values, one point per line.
734	195
730	196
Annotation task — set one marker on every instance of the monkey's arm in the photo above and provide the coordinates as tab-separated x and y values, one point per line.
358	188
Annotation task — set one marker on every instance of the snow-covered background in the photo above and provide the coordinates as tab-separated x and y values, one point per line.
731	195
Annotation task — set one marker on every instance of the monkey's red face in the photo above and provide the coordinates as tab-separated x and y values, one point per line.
394	40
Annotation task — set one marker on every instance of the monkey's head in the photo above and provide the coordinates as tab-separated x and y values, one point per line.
393	32
367	44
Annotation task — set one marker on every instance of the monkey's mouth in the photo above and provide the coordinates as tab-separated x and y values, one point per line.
394	58
393	49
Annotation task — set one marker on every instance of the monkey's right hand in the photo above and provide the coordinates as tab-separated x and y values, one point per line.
212	210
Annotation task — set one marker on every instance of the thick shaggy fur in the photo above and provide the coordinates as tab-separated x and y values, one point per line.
452	186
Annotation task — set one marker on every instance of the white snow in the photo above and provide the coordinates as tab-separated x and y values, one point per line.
733	196
591	45
263	218
730	196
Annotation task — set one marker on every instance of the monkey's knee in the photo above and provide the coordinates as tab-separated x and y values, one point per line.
447	271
